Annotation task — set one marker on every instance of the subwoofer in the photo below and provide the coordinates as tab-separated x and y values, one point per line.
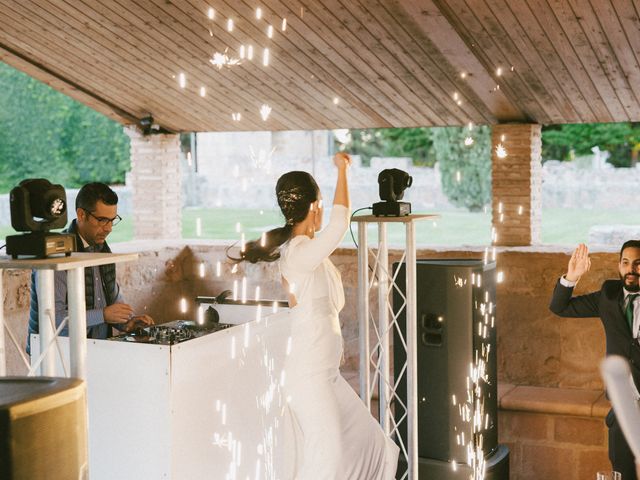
43	430
457	368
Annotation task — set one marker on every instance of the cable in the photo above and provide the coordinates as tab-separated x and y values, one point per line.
350	223
3	246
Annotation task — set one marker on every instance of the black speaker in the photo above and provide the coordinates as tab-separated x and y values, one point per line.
43	431
457	367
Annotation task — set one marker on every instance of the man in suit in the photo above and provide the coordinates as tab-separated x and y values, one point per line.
97	213
617	303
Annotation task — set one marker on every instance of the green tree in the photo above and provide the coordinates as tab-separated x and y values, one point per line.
44	133
415	143
562	142
465	170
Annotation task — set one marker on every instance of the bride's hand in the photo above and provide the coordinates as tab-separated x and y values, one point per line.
342	160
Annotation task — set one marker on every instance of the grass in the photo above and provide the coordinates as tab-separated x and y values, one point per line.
559	226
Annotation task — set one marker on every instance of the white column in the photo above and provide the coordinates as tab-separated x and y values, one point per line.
383	325
46	319
77	323
363	312
412	359
3	352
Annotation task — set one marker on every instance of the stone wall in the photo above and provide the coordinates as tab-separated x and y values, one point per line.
535	347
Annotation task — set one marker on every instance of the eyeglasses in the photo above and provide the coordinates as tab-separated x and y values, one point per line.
102	221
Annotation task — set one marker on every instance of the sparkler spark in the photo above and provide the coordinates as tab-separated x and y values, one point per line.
501	152
211	13
265	111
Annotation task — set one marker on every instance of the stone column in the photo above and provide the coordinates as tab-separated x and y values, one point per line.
156	185
516	184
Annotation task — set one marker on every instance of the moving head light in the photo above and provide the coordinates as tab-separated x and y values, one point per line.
392	184
38	206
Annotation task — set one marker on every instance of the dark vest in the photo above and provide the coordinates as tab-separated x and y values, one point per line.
107	275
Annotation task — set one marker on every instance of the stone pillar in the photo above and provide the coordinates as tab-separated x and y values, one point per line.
156	185
516	184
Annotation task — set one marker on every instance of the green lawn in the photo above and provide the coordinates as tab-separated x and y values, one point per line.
559	226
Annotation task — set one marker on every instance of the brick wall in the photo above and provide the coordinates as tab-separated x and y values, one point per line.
156	185
517	184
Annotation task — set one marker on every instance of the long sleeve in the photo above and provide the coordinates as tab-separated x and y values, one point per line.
95	316
583	306
309	253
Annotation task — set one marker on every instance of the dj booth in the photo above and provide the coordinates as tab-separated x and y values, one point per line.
179	401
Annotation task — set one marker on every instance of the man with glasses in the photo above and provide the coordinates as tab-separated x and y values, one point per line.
97	214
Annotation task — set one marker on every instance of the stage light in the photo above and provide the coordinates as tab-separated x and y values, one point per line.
38	206
392	184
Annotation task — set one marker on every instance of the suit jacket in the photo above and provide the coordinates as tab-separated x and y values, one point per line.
607	303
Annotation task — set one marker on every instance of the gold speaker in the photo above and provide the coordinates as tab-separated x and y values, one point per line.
43	428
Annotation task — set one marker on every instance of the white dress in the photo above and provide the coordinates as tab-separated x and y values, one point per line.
337	438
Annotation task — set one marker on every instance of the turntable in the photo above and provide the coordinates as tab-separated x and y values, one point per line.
170	333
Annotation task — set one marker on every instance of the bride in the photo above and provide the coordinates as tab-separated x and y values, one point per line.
337	436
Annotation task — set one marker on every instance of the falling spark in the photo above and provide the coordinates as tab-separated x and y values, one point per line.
211	13
455	96
270	31
258	13
463	75
236	117
242	52
201	269
500	207
468	141
503	137
520	209
265	110
250	52
459	102
243	245
182	80
284	24
265	57
263	239
336	100
274	309
198	227
454	466
501	152
499	71
501	217
244	289
230	25
218	268
500	277
200	315
203	91
183	305
458	176
189	158
223	60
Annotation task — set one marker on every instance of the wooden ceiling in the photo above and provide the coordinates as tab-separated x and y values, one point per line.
338	63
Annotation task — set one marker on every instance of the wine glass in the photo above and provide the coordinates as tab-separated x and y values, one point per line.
608	475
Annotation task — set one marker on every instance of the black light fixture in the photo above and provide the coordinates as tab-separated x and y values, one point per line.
392	182
38	206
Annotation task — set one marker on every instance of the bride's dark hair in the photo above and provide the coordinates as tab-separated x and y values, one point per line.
295	191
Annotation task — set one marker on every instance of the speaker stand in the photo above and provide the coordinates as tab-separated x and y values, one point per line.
374	362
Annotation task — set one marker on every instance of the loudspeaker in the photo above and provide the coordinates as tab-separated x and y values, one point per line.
457	364
43	431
